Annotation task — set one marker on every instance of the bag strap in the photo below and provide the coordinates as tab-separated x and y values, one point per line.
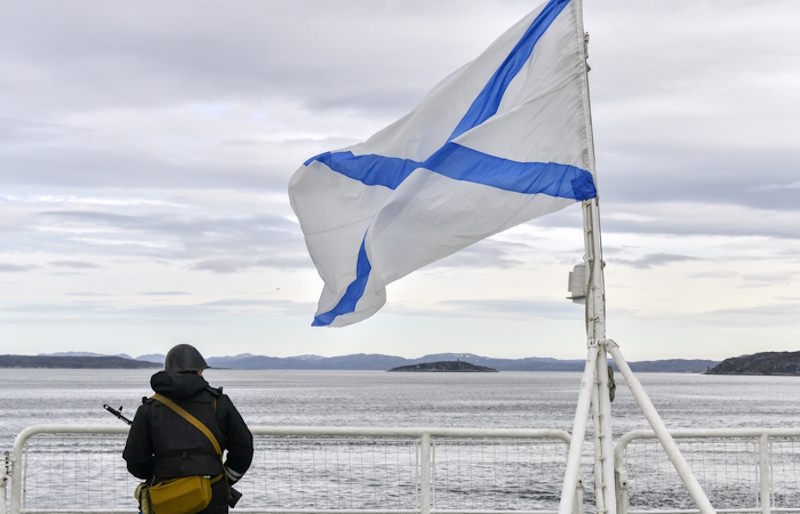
191	419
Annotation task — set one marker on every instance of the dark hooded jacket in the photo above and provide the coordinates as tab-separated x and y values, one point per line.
162	445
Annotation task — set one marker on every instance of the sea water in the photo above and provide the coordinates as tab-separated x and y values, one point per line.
371	398
380	399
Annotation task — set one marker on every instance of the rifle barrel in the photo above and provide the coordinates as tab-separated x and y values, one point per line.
116	413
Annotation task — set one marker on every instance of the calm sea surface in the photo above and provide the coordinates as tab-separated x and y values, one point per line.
313	478
366	398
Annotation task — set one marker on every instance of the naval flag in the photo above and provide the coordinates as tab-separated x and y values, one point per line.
502	140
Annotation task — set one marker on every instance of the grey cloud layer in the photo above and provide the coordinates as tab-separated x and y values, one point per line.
676	102
193	237
97	54
162	119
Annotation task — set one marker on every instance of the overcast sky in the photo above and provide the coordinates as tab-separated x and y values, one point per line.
145	150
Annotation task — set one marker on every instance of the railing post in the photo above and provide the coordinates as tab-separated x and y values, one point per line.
16	473
621	482
3	481
765	474
578	507
425	474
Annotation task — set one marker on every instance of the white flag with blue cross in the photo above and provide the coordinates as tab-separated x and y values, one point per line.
502	140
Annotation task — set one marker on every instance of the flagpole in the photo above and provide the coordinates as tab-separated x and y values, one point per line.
605	489
605	499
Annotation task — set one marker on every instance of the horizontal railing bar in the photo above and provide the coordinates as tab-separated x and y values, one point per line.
83	511
323	431
437	511
701	433
389	511
713	432
412	432
311	511
720	511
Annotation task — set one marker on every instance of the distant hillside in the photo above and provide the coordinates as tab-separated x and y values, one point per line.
357	361
379	362
445	366
672	365
72	361
764	363
152	357
84	354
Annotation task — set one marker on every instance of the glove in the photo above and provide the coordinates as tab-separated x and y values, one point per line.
142	494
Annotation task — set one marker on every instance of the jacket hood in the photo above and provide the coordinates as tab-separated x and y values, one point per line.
177	385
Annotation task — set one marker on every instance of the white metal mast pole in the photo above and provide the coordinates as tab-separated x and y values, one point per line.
605	499
597	390
596	336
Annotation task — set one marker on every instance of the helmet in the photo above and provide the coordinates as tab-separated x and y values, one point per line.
184	357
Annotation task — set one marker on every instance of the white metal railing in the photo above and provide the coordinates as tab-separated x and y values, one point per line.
363	470
741	470
366	470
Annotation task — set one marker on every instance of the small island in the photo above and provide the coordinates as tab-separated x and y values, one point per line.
446	366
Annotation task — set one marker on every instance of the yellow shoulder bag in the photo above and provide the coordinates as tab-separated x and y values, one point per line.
186	495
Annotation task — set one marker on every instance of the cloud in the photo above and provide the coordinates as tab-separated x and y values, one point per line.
16	268
770	277
182	236
655	171
101	311
653	260
723	274
200	51
26	132
74	264
685	218
223	265
677	116
242	264
243	302
98	168
767	315
511	308
160	138
781	187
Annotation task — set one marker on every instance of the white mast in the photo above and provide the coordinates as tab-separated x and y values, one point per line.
594	390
